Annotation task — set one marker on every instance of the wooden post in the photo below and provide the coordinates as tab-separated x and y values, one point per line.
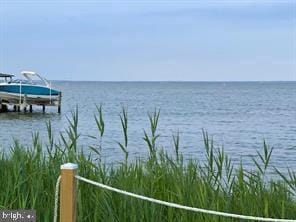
14	108
43	108
4	108
59	102
25	100
68	193
25	109
31	108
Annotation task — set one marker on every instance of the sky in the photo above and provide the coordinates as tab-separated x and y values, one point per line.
150	40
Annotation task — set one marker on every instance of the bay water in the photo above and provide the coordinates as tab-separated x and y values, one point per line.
237	115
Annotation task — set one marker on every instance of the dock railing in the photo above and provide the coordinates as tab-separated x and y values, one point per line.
67	185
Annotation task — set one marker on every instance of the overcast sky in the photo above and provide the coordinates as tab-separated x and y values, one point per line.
150	40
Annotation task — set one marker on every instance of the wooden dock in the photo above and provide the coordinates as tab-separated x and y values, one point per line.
23	103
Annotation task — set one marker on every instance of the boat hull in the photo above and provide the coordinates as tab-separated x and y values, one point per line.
28	94
15	98
28	89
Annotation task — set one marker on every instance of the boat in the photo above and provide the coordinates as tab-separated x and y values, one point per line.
28	91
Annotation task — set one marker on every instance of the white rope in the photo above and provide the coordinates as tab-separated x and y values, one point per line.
199	210
56	199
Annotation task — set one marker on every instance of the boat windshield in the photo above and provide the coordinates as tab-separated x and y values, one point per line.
21	81
5	77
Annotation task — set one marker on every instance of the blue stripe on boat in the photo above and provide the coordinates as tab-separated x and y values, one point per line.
30	90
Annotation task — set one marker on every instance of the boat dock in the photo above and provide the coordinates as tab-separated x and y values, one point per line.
23	104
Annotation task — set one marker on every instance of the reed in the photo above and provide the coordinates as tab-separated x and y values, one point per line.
29	173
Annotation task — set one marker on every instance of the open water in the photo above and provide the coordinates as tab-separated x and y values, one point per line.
238	115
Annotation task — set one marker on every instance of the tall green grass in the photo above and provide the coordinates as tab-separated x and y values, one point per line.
29	173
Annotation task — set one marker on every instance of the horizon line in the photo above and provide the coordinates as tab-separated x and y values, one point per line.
173	81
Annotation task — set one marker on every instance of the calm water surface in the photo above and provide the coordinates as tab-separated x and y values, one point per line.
238	116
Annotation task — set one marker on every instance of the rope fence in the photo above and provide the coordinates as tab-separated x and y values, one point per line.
56	199
70	208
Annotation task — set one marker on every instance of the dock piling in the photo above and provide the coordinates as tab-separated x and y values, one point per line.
59	102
